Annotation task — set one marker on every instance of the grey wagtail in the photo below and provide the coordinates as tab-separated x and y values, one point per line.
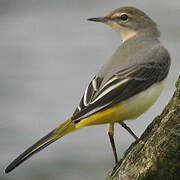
125	87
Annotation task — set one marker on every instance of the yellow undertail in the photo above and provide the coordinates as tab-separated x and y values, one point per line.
65	128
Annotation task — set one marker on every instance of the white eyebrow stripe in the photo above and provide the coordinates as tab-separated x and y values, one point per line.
120	14
109	89
117	14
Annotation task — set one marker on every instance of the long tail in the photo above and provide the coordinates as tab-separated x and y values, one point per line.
65	128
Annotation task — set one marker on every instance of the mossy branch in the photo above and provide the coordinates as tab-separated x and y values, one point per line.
156	156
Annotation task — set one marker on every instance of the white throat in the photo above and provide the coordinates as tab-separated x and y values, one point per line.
127	35
124	32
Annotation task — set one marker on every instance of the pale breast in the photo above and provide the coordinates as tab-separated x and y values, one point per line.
138	104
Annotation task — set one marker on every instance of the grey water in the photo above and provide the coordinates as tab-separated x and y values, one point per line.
48	54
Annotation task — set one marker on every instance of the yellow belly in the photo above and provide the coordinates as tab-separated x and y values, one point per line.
128	109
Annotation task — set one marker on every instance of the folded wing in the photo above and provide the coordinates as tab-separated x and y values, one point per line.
120	86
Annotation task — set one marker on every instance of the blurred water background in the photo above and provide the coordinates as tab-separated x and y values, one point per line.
48	54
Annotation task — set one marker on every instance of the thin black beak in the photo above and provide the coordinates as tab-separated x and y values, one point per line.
97	19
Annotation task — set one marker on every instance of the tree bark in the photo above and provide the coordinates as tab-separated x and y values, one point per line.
156	155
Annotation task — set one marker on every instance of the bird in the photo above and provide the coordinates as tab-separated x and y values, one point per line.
125	86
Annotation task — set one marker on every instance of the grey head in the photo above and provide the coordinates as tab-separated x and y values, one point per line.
130	21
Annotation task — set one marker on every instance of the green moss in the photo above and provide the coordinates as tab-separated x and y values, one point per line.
167	165
178	82
149	130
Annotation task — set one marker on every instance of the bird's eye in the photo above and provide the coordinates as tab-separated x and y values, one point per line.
124	17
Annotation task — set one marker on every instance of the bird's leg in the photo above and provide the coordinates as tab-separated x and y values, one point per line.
128	129
110	133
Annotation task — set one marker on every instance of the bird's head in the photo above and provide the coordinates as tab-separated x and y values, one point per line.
129	21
